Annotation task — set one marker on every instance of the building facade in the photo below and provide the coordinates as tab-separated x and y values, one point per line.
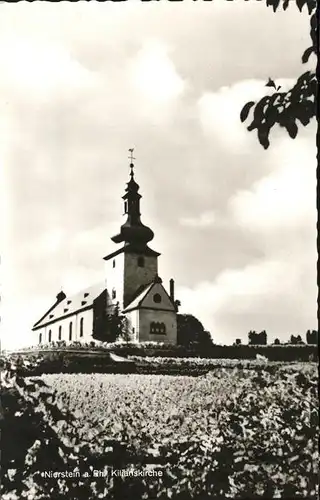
132	285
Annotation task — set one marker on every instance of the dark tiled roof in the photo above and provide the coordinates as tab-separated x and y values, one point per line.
81	300
136	301
130	248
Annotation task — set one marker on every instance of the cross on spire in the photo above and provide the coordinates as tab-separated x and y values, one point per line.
131	158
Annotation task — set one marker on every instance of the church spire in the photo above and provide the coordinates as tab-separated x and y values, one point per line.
133	231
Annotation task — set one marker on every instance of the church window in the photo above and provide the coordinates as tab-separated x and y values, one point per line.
40	338
60	333
157	328
157	298
49	336
70	330
114	293
125	207
162	328
83	302
114	263
86	294
81	327
140	261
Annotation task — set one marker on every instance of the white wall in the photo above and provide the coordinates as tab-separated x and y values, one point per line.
64	323
135	276
169	318
165	303
133	321
114	277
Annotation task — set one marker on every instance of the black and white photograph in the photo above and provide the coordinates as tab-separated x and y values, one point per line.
158	274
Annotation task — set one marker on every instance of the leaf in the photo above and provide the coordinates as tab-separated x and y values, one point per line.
263	136
292	129
307	53
245	110
270	83
285	4
300	4
274	4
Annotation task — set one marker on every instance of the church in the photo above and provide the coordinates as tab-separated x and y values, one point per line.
131	285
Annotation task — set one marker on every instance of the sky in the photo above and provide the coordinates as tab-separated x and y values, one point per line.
83	82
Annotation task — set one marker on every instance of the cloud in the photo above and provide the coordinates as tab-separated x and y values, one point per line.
205	219
286	197
260	296
33	68
154	74
276	290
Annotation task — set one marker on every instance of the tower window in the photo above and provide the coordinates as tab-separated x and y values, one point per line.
157	298
125	207
81	327
70	330
114	293
60	333
140	261
40	338
157	328
49	336
114	263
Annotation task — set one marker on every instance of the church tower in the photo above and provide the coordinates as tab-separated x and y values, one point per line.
134	264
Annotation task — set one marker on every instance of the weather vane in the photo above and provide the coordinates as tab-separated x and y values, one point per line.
131	157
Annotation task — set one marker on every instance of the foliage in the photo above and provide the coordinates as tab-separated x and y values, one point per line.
115	326
191	333
234	433
39	434
257	338
296	105
296	339
208	363
312	337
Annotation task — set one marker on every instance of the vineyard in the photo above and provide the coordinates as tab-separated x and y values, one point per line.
236	432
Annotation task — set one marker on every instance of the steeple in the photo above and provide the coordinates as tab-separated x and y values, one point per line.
133	232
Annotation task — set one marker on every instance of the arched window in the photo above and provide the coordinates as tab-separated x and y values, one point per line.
70	330
60	333
114	263
114	293
157	328
140	261
81	327
40	338
49	336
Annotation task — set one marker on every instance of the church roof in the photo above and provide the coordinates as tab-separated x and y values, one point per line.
141	294
140	300
82	300
130	248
